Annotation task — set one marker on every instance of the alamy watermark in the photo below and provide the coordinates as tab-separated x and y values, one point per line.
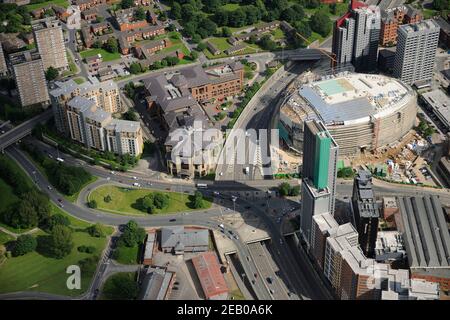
203	146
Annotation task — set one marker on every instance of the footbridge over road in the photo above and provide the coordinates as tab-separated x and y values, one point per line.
24	129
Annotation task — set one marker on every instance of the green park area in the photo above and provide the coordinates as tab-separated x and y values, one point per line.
107	56
122	200
56	240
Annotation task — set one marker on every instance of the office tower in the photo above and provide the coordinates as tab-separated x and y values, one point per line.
29	75
49	40
416	52
356	36
3	67
365	212
320	153
367	34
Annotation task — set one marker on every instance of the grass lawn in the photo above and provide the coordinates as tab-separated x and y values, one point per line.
278	34
79	80
221	43
72	66
126	255
429	13
107	56
59	3
124	200
35	272
109	290
4	238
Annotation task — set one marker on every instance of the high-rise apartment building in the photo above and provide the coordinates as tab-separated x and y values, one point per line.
367	34
341	238
320	153
83	113
49	40
3	66
365	212
105	95
416	52
323	226
356	36
29	75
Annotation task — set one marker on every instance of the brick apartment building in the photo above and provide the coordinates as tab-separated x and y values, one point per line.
392	18
125	20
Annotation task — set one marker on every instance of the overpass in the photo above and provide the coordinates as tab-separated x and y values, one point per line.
15	134
302	54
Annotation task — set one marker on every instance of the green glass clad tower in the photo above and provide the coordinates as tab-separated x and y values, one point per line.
320	153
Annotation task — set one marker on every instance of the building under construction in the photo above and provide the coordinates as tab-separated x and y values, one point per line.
361	111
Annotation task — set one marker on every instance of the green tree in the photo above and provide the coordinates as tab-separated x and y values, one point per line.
96	231
175	10
61	241
112	45
160	200
172	61
132	235
284	189
198	203
130	90
89	264
57	219
107	199
139	14
226	32
201	46
295	191
97	44
320	22
92	204
267	43
121	287
24	244
125	4
135	68
51	74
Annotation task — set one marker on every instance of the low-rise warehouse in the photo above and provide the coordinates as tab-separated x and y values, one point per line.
179	240
211	279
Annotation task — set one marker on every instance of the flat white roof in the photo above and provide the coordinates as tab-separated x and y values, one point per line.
354	96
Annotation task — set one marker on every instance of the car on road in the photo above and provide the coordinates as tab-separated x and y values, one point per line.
236	237
135	178
230	232
49	187
61	205
281	241
216	193
269	280
172	220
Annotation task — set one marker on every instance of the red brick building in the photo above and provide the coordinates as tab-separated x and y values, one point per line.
207	267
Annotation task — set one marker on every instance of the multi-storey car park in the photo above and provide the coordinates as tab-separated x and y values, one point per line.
361	111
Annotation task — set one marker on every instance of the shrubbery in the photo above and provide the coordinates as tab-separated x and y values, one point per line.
24	244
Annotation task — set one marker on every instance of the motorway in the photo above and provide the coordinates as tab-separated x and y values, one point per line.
257	115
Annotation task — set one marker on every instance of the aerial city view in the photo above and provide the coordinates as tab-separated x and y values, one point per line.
227	150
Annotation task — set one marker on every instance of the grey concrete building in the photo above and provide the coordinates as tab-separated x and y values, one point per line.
179	239
28	71
49	40
416	52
